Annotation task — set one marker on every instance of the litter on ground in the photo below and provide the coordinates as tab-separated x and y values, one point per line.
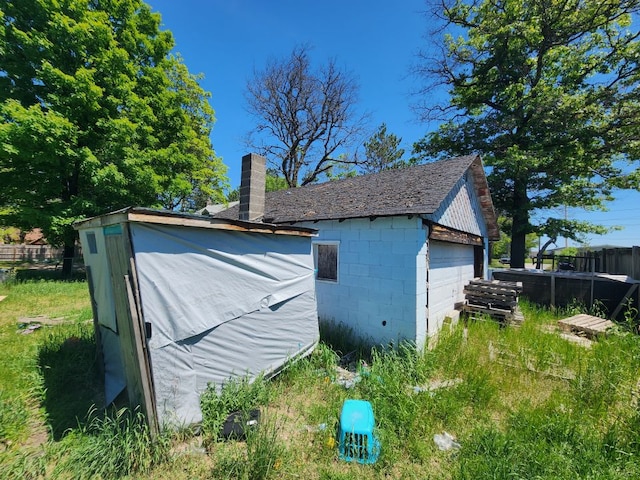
346	378
27	328
445	441
434	385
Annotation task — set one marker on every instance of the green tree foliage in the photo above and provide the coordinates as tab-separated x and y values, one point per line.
9	235
273	183
305	116
502	247
97	115
382	152
547	92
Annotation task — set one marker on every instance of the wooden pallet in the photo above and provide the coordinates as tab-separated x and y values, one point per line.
494	298
586	325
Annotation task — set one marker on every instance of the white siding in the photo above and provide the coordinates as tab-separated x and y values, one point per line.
381	287
100	276
461	209
450	269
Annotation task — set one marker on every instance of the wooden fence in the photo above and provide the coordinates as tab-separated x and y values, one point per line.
615	261
30	253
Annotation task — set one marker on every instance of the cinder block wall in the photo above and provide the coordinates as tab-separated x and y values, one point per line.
381	287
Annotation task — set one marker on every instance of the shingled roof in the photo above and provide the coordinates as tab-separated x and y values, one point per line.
417	190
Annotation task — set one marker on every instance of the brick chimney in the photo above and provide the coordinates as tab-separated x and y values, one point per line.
252	187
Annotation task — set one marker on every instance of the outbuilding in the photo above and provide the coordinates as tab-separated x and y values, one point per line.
395	248
183	301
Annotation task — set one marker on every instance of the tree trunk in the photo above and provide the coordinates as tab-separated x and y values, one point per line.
518	247
67	259
520	226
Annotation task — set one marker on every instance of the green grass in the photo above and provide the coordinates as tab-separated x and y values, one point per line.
111	445
21	379
522	402
236	395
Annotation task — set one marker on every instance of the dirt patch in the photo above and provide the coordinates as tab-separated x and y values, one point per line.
38	436
569	336
44	320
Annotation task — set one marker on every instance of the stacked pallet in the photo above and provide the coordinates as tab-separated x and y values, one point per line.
495	298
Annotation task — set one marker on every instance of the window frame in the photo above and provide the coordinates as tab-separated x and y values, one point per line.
316	253
92	242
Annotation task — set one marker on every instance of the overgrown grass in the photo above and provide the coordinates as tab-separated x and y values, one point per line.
110	446
236	395
522	402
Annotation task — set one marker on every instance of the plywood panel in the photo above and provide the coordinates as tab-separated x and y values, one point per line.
135	360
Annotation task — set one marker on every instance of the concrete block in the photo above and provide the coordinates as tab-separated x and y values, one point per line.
399	272
371	234
391	235
405	248
380	272
359	270
353	245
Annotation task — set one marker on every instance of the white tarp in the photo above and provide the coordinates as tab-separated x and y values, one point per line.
220	303
94	253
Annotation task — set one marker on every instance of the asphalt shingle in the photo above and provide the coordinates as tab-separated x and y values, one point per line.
420	189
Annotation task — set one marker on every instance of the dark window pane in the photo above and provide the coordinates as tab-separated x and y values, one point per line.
91	240
328	262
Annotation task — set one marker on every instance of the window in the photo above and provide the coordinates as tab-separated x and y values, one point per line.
91	241
325	258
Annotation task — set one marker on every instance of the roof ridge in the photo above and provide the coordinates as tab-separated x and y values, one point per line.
414	190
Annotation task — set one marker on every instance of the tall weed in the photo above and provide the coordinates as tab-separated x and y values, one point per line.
262	455
543	443
608	376
23	465
238	394
342	339
13	418
111	446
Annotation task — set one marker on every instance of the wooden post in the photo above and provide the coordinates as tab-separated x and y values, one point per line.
553	290
142	356
623	302
593	274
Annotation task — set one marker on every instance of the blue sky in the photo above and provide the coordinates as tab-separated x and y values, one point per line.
377	41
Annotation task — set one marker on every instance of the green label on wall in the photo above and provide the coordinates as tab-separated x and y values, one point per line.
113	230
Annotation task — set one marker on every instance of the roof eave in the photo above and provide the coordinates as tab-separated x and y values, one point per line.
164	217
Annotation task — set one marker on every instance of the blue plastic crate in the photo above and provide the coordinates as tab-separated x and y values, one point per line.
356	439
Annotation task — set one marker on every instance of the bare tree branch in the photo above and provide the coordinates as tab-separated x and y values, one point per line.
304	116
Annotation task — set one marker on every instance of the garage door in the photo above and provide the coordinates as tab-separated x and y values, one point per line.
451	266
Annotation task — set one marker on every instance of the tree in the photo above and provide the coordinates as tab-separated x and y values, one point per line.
382	152
273	183
546	92
502	247
304	116
96	116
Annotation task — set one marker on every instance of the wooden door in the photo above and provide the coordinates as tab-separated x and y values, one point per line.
131	331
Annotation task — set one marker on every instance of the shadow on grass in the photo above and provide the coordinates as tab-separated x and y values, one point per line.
36	274
71	380
344	341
